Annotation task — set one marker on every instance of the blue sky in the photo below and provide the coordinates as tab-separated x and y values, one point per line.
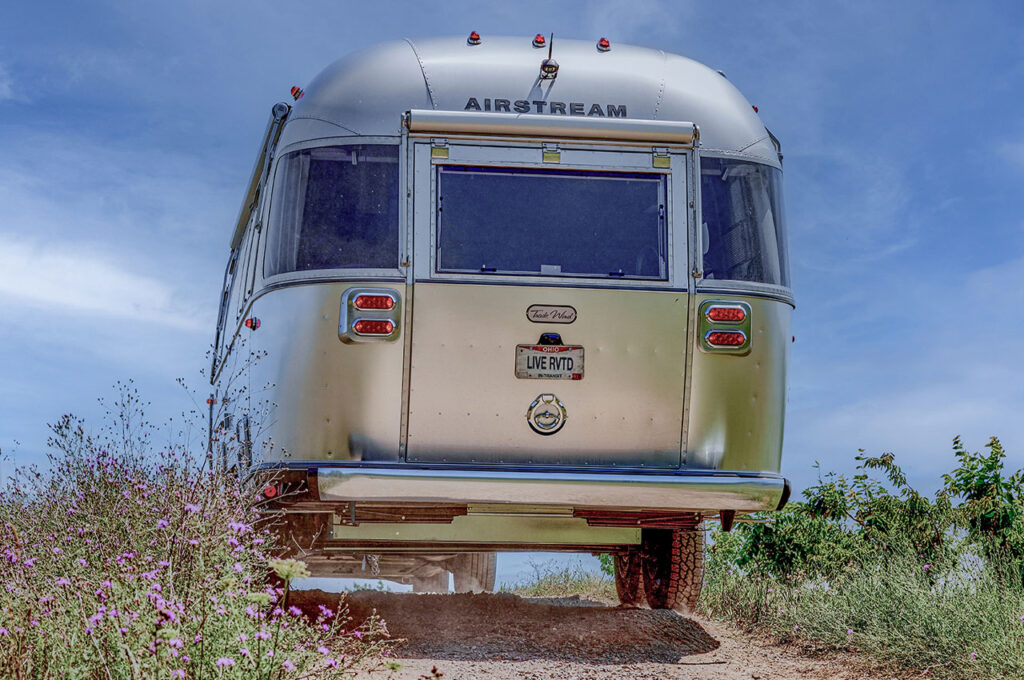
127	131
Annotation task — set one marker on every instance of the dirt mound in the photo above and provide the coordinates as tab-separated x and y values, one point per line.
507	627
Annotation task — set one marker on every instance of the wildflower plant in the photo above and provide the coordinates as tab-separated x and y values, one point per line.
121	564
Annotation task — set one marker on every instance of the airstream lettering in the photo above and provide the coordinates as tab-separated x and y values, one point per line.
523	106
538	322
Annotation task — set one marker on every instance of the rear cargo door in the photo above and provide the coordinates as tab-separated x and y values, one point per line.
549	304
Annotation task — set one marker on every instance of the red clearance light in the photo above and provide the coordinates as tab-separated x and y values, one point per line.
297	92
374	302
730	314
252	323
538	40
373	327
754	106
726	338
604	45
269	491
474	38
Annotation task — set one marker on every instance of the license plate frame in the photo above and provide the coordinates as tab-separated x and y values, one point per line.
549	362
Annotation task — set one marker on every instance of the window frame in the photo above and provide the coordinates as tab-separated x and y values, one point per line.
574	155
341	274
705	285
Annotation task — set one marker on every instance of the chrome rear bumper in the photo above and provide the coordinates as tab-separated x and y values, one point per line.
689	491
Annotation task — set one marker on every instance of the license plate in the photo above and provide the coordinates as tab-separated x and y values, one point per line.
549	362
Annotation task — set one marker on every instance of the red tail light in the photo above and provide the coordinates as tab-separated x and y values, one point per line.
729	314
726	338
374	302
373	327
252	323
269	491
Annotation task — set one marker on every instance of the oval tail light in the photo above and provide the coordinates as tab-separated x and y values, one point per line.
726	338
374	302
373	327
726	314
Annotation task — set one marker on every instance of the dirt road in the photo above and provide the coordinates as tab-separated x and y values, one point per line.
504	637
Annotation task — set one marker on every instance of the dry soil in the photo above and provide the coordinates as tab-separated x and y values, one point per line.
505	637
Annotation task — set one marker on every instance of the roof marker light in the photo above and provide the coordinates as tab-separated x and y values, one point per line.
474	38
297	92
538	40
252	323
603	45
754	106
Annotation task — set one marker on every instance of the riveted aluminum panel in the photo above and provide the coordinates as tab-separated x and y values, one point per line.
737	403
366	92
466	405
323	399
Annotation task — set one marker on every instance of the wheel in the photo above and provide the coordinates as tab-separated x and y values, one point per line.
474	572
673	566
629	577
438	583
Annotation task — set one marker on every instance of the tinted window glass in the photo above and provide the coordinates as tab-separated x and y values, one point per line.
335	207
551	222
743	225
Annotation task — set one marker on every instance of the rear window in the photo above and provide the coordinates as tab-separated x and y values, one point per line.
540	222
335	207
743	225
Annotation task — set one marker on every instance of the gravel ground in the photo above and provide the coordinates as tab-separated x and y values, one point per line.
506	637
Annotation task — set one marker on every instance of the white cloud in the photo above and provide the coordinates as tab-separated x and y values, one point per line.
6	84
71	278
1013	152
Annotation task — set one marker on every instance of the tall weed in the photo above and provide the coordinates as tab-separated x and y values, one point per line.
114	565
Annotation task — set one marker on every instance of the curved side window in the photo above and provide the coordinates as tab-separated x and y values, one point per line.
743	224
334	207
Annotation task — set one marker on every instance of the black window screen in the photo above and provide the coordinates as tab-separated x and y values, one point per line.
335	207
541	222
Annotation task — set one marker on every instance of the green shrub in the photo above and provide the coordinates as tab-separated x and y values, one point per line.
877	567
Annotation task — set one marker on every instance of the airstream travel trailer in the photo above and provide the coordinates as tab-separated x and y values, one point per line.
506	294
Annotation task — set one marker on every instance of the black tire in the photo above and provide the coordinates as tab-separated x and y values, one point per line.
438	583
673	565
629	577
474	572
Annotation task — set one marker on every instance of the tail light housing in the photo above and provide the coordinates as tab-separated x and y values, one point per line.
724	327
370	315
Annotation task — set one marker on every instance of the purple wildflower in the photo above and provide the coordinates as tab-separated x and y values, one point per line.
225	661
178	673
288	665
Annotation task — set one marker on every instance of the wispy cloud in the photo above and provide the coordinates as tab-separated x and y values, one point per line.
6	84
1013	152
71	278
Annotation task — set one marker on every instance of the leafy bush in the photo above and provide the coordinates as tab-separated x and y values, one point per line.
877	567
115	566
